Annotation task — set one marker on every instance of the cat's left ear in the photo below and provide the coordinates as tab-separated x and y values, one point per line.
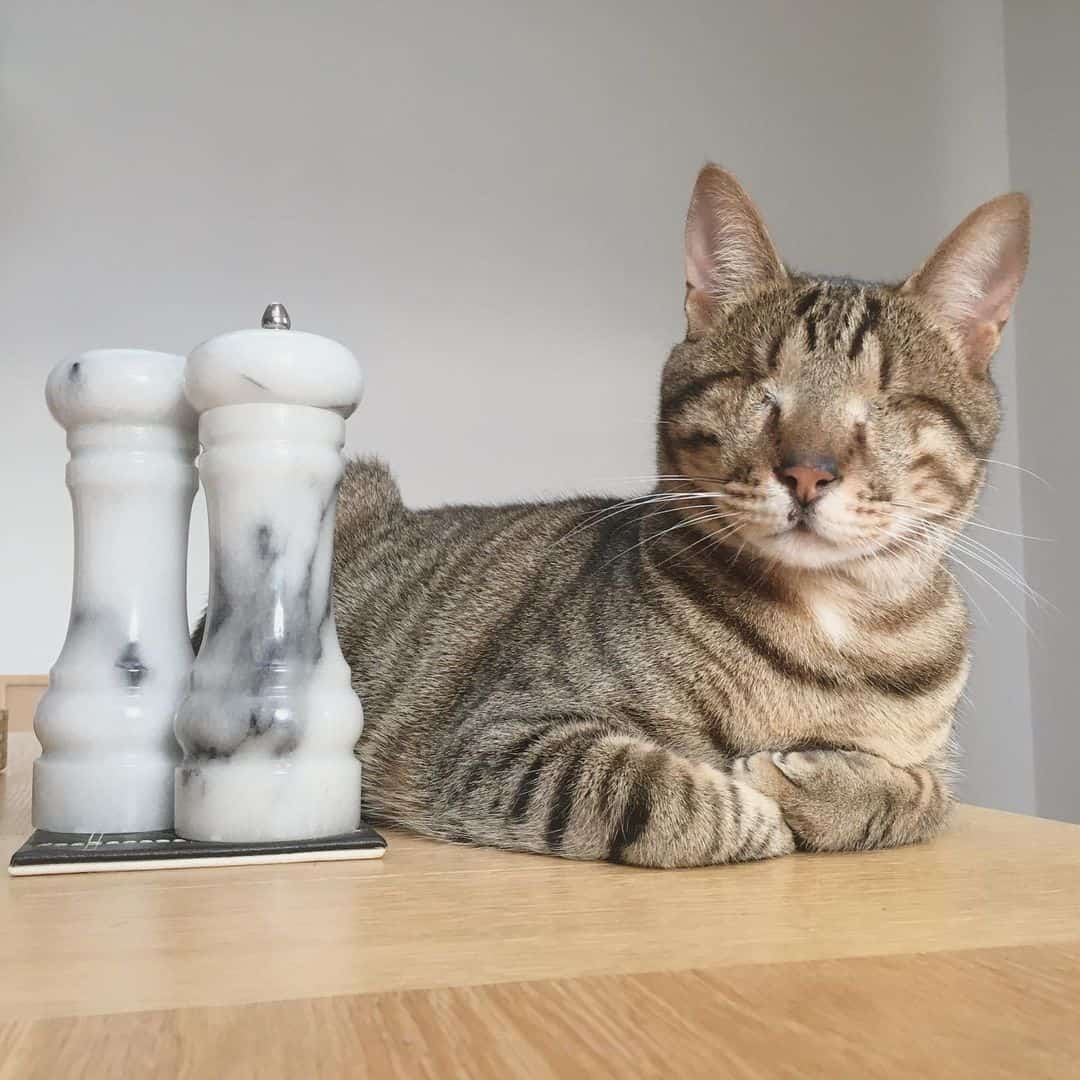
729	255
972	279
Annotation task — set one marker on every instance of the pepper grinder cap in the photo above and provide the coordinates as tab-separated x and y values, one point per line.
273	365
126	386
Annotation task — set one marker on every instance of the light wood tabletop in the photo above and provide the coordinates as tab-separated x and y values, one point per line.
959	958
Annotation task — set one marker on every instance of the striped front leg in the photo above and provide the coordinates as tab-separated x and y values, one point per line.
589	788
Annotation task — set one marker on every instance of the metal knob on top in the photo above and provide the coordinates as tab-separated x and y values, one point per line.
267	366
275	317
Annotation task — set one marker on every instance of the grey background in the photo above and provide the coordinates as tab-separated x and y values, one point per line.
485	201
1043	79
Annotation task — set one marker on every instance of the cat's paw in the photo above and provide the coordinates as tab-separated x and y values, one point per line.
839	771
763	831
833	800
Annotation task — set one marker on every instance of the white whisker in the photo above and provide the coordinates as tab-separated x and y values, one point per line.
989	584
1019	469
717	538
926	508
930	532
598	517
656	536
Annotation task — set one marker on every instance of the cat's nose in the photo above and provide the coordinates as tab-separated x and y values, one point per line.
807	478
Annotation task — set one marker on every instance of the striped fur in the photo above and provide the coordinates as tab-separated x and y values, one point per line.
707	674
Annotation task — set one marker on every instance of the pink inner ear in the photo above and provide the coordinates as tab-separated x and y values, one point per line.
976	284
698	263
980	345
996	304
980	317
986	313
973	283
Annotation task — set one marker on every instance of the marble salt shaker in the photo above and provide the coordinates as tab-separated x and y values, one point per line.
271	720
105	723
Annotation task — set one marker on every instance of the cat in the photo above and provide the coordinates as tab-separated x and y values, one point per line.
762	655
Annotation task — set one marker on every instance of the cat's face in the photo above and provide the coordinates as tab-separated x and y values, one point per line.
819	422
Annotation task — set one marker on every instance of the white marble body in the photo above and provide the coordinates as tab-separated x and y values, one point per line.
269	727
105	723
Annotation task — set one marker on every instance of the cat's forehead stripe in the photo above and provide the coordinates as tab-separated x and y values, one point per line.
871	315
841	318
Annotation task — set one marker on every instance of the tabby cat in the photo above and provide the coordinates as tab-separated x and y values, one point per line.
762	655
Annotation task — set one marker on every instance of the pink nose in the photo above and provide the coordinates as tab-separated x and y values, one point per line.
808	482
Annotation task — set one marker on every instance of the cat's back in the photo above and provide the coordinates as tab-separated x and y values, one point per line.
422	592
375	530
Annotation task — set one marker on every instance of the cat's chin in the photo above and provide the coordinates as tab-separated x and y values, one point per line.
805	549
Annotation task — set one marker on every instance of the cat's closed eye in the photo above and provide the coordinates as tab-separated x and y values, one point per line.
701	438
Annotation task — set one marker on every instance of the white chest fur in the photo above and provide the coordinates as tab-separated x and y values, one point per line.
832	616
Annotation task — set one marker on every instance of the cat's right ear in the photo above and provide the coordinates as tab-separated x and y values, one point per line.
970	283
728	251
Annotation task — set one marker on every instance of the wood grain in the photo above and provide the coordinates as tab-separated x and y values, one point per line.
441	956
1004	1013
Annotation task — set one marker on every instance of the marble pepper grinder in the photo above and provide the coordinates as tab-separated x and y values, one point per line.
106	722
269	726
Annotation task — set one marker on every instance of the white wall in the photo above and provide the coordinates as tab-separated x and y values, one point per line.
1042	40
485	200
994	722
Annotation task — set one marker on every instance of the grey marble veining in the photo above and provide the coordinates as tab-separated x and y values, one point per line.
269	726
105	722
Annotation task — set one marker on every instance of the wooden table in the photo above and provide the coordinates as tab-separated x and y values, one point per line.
960	958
